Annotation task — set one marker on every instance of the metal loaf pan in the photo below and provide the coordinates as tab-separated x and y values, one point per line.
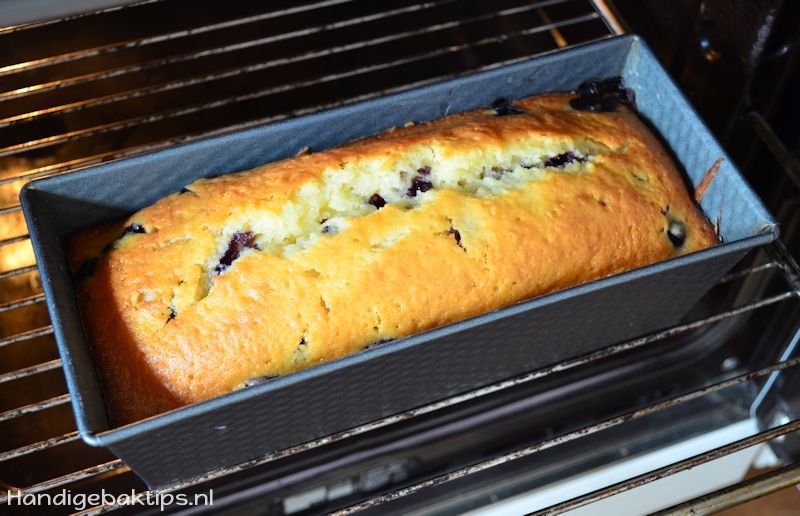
416	370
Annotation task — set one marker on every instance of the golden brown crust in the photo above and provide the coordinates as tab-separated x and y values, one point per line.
389	273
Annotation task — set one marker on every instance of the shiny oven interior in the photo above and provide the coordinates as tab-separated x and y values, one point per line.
101	85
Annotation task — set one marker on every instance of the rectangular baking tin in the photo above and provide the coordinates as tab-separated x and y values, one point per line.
420	369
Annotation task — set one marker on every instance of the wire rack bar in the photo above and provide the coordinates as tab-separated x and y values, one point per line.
34	407
749	271
40	446
738	494
672	469
9	209
607	14
786	263
17	271
30	300
13	240
27	335
114	465
30	371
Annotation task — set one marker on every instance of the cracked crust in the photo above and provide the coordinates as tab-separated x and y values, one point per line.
237	278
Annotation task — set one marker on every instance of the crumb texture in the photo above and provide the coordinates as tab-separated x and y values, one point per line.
237	280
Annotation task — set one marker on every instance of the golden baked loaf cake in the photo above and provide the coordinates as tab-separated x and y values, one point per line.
264	272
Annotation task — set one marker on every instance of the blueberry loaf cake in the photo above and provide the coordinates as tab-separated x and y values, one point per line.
257	274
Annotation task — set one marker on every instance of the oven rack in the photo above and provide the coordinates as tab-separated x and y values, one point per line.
552	26
45	142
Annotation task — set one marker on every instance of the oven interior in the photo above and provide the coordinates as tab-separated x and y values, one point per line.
103	85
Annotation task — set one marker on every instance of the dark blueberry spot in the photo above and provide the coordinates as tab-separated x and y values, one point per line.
562	160
628	97
676	232
379	342
300	350
457	236
600	87
497	172
329	229
238	242
172	314
603	95
134	228
419	184
87	269
185	190
377	201
502	106
425	171
258	381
